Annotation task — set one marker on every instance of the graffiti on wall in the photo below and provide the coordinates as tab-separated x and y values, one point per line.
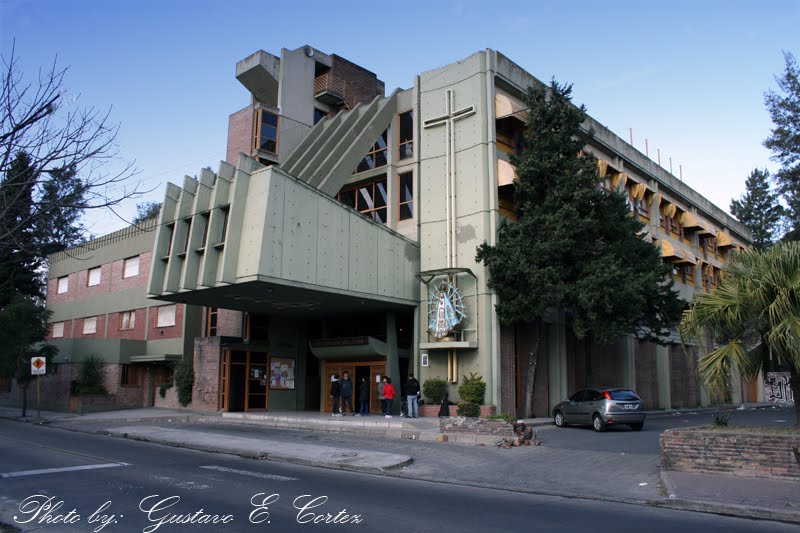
776	388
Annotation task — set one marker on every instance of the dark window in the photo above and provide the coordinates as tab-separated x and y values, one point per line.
376	157
319	114
131	375
406	140
406	198
369	198
211	321
205	230
225	212
267	132
623	395
188	233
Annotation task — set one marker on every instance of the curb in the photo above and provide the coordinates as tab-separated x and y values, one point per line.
673	501
269	456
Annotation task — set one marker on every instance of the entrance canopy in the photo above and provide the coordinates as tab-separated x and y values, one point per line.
255	238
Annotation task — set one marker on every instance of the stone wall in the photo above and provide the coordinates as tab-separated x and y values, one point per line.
752	455
476	426
205	393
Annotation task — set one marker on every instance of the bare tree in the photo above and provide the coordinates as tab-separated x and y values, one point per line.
36	119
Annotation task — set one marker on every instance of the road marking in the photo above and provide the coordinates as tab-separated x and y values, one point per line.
59	470
249	473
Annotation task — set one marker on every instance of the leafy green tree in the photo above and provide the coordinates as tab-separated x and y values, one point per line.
784	139
23	329
146	210
754	317
759	209
574	246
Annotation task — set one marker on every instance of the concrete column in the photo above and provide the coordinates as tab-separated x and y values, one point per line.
736	384
629	363
392	362
663	377
558	388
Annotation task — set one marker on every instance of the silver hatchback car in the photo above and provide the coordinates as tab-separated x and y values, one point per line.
601	407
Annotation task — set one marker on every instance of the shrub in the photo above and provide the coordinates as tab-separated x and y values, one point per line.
162	389
184	380
434	390
472	410
90	379
505	416
473	389
722	419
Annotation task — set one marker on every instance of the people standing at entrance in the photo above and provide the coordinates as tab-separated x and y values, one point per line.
388	392
412	396
346	388
336	393
363	397
381	396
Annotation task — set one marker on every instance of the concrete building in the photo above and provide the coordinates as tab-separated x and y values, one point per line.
340	235
340	254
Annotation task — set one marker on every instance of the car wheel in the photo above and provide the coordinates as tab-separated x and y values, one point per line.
560	420
637	427
598	423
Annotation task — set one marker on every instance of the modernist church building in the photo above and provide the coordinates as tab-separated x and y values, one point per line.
340	235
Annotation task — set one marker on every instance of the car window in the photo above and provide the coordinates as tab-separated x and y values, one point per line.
592	396
578	396
622	394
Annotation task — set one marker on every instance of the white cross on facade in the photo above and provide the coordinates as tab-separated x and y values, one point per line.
448	120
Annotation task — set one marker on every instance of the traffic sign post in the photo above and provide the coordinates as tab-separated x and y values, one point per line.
38	367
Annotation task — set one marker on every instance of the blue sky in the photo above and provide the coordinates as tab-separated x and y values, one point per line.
688	76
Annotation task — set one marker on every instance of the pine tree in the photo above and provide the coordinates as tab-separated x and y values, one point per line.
784	140
574	246
759	209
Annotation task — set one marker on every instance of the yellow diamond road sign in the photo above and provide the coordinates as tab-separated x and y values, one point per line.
37	366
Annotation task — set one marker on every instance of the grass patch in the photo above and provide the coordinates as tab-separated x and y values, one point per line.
749	430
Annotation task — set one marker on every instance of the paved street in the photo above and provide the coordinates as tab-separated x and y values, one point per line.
126	473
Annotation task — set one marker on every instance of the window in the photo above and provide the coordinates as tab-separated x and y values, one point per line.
90	325
166	316
319	114
63	284
376	157
406	197
683	273
369	199
406	141
211	321
94	277
225	212
127	320
206	219
58	330
130	267
131	375
708	244
188	223
266	137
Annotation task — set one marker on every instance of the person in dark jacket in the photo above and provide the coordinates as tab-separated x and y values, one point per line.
444	410
363	397
412	396
336	393
346	388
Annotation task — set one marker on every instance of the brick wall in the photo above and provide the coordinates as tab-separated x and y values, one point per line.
751	455
52	290
67	330
100	330
476	426
169	332
82	289
205	393
138	331
240	134
120	284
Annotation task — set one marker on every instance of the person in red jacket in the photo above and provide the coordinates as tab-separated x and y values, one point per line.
388	392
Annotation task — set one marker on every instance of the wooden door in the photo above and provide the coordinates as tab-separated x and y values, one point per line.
377	371
336	368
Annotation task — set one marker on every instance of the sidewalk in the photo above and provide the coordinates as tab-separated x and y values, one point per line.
408	448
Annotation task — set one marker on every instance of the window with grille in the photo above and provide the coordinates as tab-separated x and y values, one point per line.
368	198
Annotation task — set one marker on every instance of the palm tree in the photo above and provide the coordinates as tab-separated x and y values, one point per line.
753	316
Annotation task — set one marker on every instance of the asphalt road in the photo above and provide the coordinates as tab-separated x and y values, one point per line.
147	486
